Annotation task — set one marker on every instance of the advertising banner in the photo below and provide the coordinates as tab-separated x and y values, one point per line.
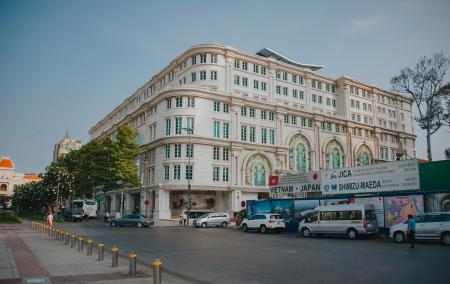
391	176
292	184
377	202
397	208
437	202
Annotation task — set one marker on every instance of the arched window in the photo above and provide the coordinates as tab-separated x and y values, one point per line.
334	155
3	187
299	154
257	170
138	139
363	156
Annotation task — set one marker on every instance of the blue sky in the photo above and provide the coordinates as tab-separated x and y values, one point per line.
65	64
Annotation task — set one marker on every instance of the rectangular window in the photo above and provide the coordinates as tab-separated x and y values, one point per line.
252	134
190	124
202	75
285	91
244	65
256	84
225	174
193	76
303	121
313	84
278	74
216	106
244	132
236	80
263	86
263	114
216	153
255	68
319	99
310	123
263	70
213	58
294	93
179	102
328	101
244	81
216	172
243	111
286	119
237	63
300	80
272	137
314	98
178	125
252	112
271	116
338	128
202	58
327	87
333	103
319	85
226	130
176	172
285	76
168	126
294	78
278	89
177	152
263	135
357	104
225	154
166	172
300	95
189	172
191	102
294	120
322	125
329	126
189	151
214	75
226	108
216	129
194	59
167	150
169	103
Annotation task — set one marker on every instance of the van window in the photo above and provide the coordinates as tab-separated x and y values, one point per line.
445	217
370	215
340	215
434	218
310	218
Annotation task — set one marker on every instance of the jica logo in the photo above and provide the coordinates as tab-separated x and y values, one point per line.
341	174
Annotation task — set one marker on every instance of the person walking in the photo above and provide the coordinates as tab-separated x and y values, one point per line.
50	219
185	216
412	230
181	218
106	218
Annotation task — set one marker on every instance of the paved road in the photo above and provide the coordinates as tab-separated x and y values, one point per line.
227	256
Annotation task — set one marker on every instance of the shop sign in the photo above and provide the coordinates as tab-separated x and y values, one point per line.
391	176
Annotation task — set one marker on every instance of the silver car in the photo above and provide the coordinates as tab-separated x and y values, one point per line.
212	220
432	226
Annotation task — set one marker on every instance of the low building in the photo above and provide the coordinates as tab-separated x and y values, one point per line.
9	178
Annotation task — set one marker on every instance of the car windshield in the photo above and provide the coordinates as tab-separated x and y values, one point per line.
204	215
370	215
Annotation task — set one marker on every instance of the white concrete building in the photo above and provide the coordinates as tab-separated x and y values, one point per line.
9	178
252	115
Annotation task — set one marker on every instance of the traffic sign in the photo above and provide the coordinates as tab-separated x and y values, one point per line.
146	202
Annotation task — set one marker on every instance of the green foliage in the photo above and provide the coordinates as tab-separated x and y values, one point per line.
99	163
8	217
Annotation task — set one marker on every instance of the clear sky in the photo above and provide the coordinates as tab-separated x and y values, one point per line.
65	64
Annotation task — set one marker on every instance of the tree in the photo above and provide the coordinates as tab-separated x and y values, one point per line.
424	84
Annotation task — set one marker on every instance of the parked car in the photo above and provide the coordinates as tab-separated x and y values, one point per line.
264	223
212	220
432	226
131	220
347	219
73	215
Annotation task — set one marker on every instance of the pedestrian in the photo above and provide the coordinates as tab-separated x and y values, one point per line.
117	215
185	216
412	230
181	219
82	215
106	218
50	219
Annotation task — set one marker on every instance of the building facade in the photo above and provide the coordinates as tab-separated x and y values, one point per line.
9	178
251	115
65	145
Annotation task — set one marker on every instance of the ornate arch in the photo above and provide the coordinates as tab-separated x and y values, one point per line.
257	170
334	155
299	153
363	156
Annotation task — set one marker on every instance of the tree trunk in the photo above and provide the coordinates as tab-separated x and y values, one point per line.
430	158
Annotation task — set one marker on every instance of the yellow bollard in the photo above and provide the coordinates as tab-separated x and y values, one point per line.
89	248
156	271
132	269
101	249
115	256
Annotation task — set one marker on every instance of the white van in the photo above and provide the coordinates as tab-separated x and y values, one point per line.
347	219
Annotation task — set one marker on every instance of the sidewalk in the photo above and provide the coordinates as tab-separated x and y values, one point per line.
27	256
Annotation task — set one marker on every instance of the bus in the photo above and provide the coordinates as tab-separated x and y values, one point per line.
89	206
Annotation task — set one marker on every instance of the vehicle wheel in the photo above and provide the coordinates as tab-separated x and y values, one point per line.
352	234
204	225
262	229
306	233
245	228
279	231
399	237
446	238
139	224
113	224
224	224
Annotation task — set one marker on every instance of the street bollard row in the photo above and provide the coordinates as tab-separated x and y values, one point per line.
66	238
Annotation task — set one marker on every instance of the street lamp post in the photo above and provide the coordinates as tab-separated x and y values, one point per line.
120	182
189	131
